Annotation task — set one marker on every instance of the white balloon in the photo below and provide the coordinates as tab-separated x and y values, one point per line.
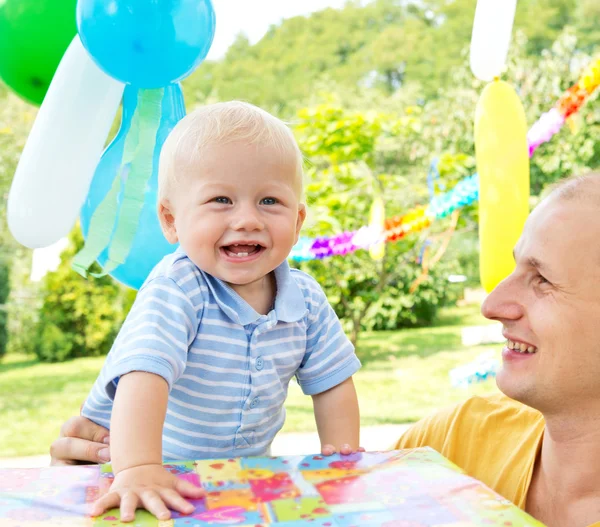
490	40
63	148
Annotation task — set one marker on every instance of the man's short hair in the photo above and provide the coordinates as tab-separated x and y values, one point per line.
585	187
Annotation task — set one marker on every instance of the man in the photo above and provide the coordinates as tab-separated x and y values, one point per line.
543	451
545	461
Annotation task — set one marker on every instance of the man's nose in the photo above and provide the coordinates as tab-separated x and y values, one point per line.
504	302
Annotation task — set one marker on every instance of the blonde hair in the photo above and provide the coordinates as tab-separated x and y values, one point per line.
221	123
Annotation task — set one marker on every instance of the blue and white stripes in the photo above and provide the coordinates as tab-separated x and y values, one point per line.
228	367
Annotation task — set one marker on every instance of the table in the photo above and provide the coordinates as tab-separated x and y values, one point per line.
403	488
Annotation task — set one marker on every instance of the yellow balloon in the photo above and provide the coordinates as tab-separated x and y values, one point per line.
377	223
503	166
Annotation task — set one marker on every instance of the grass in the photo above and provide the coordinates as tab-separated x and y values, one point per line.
404	377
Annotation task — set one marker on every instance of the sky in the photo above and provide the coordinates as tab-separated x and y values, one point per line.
254	17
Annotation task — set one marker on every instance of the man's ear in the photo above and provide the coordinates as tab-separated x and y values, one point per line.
300	219
167	220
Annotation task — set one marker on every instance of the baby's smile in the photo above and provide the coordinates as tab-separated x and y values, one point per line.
242	251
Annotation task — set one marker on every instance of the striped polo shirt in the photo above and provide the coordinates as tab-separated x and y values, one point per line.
228	367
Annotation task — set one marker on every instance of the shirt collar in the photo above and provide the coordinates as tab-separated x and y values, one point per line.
289	300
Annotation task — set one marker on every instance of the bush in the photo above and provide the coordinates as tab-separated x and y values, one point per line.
78	317
353	158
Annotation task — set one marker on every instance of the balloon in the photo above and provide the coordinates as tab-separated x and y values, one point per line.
502	157
376	223
34	35
147	43
119	218
62	150
490	40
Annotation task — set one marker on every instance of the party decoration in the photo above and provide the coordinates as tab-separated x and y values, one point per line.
395	228
441	205
337	245
463	194
377	224
402	488
429	263
481	369
544	129
62	150
34	35
490	39
399	226
567	106
147	44
119	218
302	250
503	164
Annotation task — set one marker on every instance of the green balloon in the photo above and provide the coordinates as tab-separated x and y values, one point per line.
34	35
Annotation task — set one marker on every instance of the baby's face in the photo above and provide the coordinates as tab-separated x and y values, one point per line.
237	214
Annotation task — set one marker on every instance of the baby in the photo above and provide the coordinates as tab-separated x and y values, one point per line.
201	366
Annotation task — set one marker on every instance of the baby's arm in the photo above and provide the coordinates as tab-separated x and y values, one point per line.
136	426
337	416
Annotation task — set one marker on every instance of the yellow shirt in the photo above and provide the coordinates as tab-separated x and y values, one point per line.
493	439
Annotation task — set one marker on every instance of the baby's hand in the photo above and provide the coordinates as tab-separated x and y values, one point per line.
329	450
150	487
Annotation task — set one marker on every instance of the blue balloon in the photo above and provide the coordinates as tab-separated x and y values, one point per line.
146	43
149	245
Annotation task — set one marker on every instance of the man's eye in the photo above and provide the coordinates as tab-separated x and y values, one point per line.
222	199
541	280
269	201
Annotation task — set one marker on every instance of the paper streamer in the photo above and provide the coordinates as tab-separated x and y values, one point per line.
463	194
570	103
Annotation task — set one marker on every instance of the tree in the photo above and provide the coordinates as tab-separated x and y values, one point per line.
345	174
383	43
78	317
4	291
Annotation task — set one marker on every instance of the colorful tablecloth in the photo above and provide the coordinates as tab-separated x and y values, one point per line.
405	488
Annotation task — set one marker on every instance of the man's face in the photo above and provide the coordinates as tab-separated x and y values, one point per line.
550	309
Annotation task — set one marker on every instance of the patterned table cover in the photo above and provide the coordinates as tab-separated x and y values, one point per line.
403	488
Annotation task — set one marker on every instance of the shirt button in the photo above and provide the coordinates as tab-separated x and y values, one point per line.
259	363
254	402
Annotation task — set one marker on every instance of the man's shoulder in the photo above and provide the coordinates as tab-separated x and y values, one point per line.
493	439
475	419
496	405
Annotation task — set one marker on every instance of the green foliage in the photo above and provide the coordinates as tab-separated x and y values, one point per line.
347	151
4	292
78	317
376	91
366	144
385	44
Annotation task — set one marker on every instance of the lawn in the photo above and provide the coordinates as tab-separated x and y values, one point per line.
404	377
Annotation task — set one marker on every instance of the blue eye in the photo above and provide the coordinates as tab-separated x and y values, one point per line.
269	201
222	200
